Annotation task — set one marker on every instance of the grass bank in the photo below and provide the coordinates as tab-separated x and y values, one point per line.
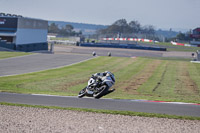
4	55
171	47
139	78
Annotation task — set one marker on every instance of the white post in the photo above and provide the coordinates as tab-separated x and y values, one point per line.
52	48
198	55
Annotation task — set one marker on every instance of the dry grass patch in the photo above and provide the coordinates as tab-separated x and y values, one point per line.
137	80
184	82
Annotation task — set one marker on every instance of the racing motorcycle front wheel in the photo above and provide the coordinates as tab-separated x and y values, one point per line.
82	93
101	91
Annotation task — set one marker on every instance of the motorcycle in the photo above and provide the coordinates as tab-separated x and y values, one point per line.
97	87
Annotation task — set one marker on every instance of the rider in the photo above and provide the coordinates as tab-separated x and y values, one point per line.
103	75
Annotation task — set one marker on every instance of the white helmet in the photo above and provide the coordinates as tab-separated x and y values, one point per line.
110	74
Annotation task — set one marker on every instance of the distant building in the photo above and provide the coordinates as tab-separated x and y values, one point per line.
195	36
22	33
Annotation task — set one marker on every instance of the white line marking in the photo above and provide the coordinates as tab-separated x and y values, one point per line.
51	95
138	100
176	103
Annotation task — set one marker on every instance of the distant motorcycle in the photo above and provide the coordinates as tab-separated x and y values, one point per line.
97	88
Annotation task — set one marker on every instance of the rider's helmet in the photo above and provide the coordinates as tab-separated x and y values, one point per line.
110	74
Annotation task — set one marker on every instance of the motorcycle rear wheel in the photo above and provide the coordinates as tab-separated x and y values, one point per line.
103	90
82	93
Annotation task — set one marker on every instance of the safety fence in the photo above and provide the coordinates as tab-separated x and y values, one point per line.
129	39
126	46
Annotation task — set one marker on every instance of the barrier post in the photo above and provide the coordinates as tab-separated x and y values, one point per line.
198	55
52	48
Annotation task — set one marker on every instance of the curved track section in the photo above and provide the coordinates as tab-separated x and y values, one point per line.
38	62
118	52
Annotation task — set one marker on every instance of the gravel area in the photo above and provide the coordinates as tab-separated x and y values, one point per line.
36	120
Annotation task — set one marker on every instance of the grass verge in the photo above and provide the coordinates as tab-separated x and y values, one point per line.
171	47
128	113
4	54
139	78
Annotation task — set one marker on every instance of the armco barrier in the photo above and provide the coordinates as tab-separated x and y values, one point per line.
127	46
7	45
24	47
32	47
128	39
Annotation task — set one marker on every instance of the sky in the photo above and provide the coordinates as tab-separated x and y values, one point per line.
164	14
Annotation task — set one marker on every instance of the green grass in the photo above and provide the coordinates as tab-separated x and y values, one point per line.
4	55
184	49
175	47
127	113
171	58
139	78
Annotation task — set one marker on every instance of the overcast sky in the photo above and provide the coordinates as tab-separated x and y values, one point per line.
165	14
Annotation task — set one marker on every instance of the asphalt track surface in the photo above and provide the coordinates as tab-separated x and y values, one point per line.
38	62
105	104
119	52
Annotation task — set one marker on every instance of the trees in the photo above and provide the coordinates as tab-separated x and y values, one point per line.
119	26
122	27
135	26
53	28
67	30
180	36
148	29
183	37
121	22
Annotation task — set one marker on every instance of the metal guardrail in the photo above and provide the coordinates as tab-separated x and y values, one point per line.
62	42
126	46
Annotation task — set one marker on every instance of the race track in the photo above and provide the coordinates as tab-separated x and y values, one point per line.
38	62
119	52
106	104
69	55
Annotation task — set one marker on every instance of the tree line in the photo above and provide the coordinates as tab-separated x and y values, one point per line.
121	26
67	30
182	36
